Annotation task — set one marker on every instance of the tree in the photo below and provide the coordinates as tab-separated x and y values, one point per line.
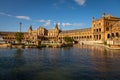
19	36
68	39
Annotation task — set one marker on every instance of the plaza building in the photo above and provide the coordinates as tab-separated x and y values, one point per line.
9	37
103	29
106	28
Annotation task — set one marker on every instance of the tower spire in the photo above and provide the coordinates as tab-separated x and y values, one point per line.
103	14
30	27
20	26
93	18
56	26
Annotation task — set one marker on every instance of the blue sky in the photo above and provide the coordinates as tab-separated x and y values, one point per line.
69	14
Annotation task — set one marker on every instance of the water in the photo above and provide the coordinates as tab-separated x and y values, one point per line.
78	63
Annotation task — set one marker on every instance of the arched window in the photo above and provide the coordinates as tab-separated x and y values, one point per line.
99	36
88	37
77	37
113	35
117	34
99	24
99	29
107	29
108	36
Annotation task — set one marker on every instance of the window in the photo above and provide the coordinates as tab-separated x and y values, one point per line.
108	36
99	37
107	29
90	36
99	24
112	34
117	34
99	30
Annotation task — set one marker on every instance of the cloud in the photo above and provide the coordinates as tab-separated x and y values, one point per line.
80	2
57	23
18	17
23	17
72	24
1	13
47	22
42	20
66	24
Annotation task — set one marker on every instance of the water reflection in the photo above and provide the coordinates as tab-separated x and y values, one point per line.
74	63
18	53
104	52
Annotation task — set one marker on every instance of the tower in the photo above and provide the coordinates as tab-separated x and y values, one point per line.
56	26
93	18
30	29
103	14
20	26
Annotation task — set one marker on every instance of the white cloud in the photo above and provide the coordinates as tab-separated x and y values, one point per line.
23	17
18	17
47	22
1	13
57	23
42	20
72	24
66	24
80	2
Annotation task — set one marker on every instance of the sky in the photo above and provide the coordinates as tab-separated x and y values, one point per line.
69	14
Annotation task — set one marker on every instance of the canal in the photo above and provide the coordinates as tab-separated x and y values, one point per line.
74	63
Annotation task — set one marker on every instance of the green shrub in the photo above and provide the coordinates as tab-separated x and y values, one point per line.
105	42
68	39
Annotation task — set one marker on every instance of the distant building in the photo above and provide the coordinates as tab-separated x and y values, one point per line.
103	29
9	37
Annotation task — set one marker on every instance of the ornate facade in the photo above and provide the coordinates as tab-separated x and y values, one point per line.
106	28
103	29
9	37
